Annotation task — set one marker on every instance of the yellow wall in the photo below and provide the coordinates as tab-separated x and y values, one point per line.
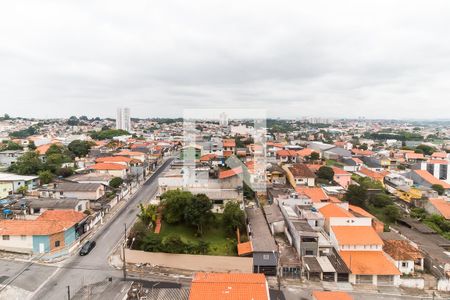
5	188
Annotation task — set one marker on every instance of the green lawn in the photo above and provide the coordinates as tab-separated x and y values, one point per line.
219	242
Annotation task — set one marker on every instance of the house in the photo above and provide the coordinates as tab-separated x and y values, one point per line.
9	157
114	169
88	191
229	286
407	258
40	205
439	168
265	251
374	175
276	174
229	147
357	211
91	178
424	178
305	153
351	164
299	174
53	232
316	194
122	160
342	177
336	153
132	154
17	181
6	188
324	295
438	206
286	156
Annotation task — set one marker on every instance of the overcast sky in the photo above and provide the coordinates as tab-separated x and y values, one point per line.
378	59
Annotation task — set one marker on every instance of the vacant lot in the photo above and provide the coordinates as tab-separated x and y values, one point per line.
215	236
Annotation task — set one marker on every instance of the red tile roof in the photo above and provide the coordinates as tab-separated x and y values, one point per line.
431	179
130	153
113	159
229	286
334	211
442	205
356	235
245	248
230	173
229	143
208	157
316	194
320	295
301	170
284	153
108	166
362	152
401	250
368	263
62	215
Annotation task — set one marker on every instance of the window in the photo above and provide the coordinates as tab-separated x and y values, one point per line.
5	237
79	207
309	252
266	256
23	237
57	243
404	264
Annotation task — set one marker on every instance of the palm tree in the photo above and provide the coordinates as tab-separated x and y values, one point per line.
148	214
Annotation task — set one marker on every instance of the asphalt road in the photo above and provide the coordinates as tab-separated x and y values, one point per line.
78	271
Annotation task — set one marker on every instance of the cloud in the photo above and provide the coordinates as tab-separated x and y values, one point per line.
293	58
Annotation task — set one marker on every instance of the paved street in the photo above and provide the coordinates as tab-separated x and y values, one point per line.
50	282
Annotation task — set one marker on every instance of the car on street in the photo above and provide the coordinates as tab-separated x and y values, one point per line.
87	247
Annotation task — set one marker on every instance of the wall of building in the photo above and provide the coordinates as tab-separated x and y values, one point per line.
407	269
17	243
5	189
41	239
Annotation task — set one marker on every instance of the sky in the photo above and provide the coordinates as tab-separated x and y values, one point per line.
377	59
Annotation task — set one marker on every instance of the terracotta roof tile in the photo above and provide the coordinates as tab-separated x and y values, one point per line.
108	166
316	194
356	235
368	263
228	286
322	295
431	179
442	205
334	211
230	173
401	250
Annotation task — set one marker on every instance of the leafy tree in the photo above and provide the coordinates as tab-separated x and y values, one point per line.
381	200
27	164
31	145
73	121
392	212
64	172
115	182
203	247
107	134
21	134
233	217
22	190
314	156
174	203
356	195
198	212
148	214
10	145
45	176
418	213
80	148
173	244
152	242
438	188
326	173
427	150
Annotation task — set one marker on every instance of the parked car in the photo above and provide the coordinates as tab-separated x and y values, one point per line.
87	247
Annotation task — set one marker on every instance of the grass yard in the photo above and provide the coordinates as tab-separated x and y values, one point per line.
219	242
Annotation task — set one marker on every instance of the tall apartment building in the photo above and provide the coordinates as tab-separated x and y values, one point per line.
123	119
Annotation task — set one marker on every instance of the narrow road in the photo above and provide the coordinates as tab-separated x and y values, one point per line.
78	271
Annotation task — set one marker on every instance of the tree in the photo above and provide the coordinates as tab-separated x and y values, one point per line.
326	173
10	145
233	217
64	172
198	212
173	244
314	156
31	145
45	176
79	148
392	212
152	242
174	203
115	182
148	214
22	190
356	195
438	188
427	150
73	121
27	164
381	200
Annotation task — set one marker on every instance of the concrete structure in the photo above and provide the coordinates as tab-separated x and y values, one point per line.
123	119
17	181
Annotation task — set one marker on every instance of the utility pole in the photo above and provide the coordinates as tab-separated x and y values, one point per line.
68	292
123	253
